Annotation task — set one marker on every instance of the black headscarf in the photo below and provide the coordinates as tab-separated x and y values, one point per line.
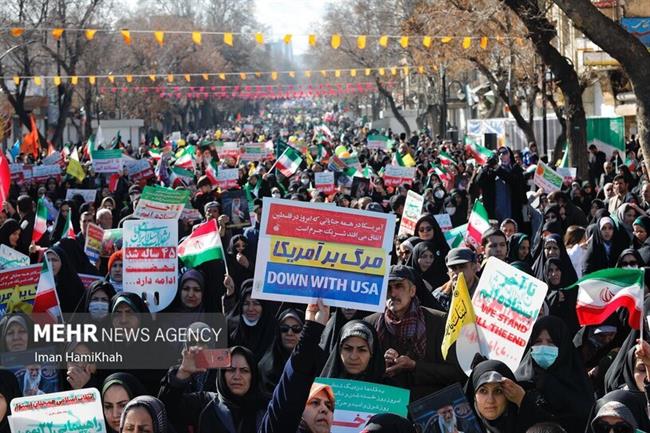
330	335
154	407
635	401
436	275
388	423
562	303
9	319
128	381
7	228
257	338
569	275
243	409
61	221
272	363
513	248
438	237
376	365
596	256
131	299
509	421
644	222
177	305
95	287
9	389
564	385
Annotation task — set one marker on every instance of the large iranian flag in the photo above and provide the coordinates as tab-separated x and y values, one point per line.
40	222
603	292
289	161
480	153
446	158
478	223
202	245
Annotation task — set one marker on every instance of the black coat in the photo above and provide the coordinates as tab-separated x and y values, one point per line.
514	179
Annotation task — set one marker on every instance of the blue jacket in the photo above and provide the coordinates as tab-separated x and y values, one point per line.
284	412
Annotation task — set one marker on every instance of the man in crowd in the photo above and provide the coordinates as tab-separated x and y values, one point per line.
458	260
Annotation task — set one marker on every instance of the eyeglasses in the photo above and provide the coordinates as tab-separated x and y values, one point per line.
619	427
425	229
296	329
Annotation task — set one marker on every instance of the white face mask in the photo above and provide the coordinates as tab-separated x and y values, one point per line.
276	195
250	322
98	309
439	193
304	181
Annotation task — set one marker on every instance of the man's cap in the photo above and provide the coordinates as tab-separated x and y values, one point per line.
375	207
489	377
458	256
212	205
401	272
135	189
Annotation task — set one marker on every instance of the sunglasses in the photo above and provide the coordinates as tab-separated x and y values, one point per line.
296	329
425	229
619	427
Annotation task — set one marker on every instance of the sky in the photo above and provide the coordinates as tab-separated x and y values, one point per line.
296	17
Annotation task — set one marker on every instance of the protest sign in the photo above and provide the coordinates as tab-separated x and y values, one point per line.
140	169
41	173
33	377
379	142
547	179
111	242
252	152
176	135
444	221
10	258
189	213
567	173
357	402
93	245
18	289
352	161
56	158
235	206
448	407
87	279
27	172
308	251
16	171
88	194
411	213
360	187
107	161
229	149
324	182
75	411
227	177
506	303
455	237
150	262
395	175
158	202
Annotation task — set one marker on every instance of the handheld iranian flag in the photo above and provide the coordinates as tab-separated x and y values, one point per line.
180	177
289	162
185	158
603	292
46	301
480	153
40	223
211	171
202	245
68	230
446	159
478	223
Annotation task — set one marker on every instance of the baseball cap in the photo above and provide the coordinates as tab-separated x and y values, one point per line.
135	189
458	256
400	272
212	205
489	377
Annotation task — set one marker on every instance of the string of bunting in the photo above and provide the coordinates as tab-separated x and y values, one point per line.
335	40
187	77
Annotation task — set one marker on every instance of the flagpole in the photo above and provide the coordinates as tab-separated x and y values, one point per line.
642	305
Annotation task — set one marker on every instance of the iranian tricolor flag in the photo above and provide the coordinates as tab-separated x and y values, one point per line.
180	177
185	159
211	172
68	230
40	223
478	223
46	301
603	292
202	245
289	162
446	158
480	153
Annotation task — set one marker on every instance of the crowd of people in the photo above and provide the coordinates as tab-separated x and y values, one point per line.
571	378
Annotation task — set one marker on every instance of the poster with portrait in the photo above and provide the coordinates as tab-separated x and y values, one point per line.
235	206
360	187
444	411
